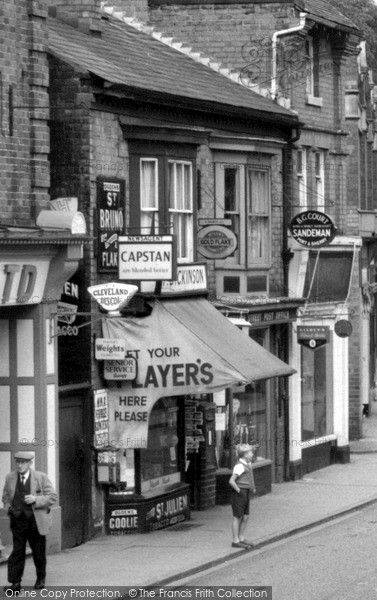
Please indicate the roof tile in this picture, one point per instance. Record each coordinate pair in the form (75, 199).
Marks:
(124, 55)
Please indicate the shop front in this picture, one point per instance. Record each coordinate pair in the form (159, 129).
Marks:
(157, 433)
(258, 413)
(326, 330)
(34, 265)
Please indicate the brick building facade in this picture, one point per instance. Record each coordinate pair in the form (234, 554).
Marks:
(113, 121)
(35, 260)
(304, 56)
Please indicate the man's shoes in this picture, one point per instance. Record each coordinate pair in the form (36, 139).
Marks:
(39, 584)
(13, 587)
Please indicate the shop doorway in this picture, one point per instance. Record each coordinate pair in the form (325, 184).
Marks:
(71, 470)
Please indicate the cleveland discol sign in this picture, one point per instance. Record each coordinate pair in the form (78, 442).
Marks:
(312, 229)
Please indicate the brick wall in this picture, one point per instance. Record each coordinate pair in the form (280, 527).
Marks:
(24, 145)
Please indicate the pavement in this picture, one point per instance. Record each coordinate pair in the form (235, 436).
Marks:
(165, 556)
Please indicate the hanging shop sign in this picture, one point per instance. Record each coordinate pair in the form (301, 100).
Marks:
(147, 258)
(312, 336)
(110, 349)
(312, 229)
(216, 241)
(112, 296)
(101, 419)
(343, 328)
(23, 282)
(190, 278)
(120, 370)
(110, 222)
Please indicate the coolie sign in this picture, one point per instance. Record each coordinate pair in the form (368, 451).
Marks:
(312, 229)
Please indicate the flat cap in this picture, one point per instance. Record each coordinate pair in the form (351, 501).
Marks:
(22, 455)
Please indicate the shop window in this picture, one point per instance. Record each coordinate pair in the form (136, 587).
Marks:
(160, 461)
(328, 276)
(162, 195)
(243, 417)
(316, 392)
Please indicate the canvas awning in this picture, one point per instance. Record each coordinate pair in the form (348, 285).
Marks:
(183, 347)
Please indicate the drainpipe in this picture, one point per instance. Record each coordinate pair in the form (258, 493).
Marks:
(275, 37)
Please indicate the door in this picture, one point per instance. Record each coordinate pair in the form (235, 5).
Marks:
(71, 470)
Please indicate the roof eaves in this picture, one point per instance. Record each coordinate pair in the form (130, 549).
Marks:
(314, 12)
(287, 118)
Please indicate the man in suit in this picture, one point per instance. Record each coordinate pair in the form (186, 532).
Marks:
(27, 498)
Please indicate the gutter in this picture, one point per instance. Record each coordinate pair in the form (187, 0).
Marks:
(275, 38)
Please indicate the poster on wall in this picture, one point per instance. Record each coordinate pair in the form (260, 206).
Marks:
(110, 223)
(101, 418)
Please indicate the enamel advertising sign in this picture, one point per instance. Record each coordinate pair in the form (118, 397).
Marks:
(147, 258)
(216, 241)
(312, 229)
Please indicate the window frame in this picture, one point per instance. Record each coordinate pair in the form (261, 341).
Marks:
(319, 173)
(162, 153)
(183, 211)
(302, 177)
(266, 258)
(156, 208)
(241, 258)
(312, 71)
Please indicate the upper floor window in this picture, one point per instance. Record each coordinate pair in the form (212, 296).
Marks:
(149, 206)
(181, 206)
(258, 215)
(243, 195)
(301, 171)
(319, 158)
(312, 72)
(162, 196)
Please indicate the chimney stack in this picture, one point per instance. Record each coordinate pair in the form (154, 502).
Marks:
(131, 8)
(84, 14)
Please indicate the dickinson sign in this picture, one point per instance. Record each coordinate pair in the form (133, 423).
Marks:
(312, 229)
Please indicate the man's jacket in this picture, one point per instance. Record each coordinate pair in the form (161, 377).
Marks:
(45, 496)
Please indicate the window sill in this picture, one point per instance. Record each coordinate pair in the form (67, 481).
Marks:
(314, 100)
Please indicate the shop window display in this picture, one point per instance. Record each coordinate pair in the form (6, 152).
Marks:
(248, 422)
(159, 462)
